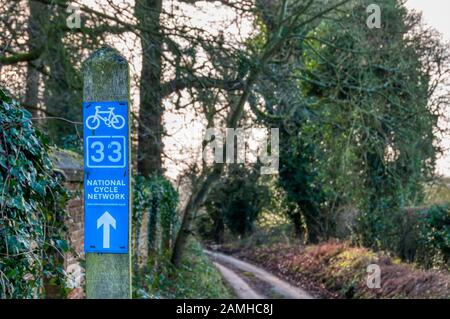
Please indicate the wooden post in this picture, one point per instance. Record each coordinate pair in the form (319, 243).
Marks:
(106, 78)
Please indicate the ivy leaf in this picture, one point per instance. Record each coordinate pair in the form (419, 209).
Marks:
(39, 187)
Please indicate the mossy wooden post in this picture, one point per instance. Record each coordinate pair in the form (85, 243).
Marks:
(106, 78)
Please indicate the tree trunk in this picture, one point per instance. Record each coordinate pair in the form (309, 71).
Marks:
(197, 198)
(298, 226)
(37, 36)
(150, 110)
(219, 230)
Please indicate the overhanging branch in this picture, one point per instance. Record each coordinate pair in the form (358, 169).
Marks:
(17, 57)
(202, 82)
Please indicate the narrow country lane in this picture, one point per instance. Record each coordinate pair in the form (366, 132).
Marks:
(251, 282)
(241, 289)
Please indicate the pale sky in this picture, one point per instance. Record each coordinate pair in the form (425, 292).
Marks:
(436, 13)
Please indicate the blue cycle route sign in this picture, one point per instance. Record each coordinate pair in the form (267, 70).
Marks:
(106, 177)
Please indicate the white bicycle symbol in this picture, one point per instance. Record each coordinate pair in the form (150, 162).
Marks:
(110, 119)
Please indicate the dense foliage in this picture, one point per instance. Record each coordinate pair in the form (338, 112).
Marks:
(235, 203)
(31, 206)
(435, 235)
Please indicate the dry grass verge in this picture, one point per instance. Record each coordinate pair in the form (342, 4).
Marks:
(339, 270)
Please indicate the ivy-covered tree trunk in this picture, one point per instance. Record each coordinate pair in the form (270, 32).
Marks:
(298, 177)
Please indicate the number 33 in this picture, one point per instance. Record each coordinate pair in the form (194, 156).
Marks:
(100, 155)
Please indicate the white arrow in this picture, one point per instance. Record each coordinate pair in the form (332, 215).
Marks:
(106, 220)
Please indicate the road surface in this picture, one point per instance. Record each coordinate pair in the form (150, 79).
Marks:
(251, 282)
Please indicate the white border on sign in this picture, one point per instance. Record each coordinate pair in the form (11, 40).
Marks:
(108, 166)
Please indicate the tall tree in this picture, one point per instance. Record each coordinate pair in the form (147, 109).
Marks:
(358, 127)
